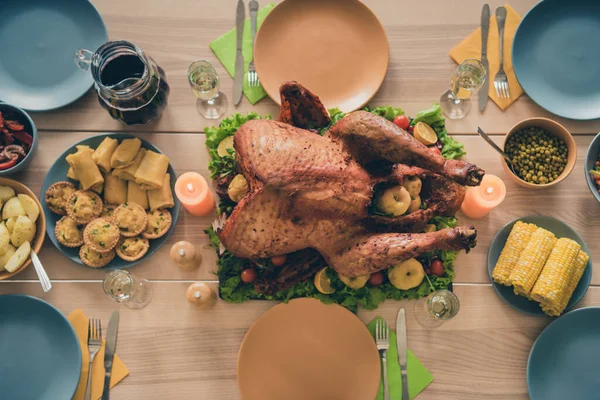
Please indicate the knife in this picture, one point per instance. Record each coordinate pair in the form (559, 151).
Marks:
(485, 27)
(238, 78)
(402, 349)
(109, 352)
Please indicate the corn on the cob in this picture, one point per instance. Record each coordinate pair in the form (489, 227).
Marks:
(531, 261)
(554, 278)
(579, 266)
(516, 242)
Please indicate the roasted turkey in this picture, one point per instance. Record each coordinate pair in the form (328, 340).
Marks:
(308, 191)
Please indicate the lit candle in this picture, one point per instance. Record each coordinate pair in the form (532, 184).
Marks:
(193, 192)
(480, 200)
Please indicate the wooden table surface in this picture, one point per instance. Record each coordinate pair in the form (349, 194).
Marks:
(177, 352)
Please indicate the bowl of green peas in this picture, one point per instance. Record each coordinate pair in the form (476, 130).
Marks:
(543, 152)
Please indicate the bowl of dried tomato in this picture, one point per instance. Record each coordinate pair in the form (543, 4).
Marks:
(18, 139)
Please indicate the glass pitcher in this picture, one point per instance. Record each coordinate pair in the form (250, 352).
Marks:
(129, 84)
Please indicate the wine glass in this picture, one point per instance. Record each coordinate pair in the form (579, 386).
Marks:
(126, 288)
(211, 103)
(467, 79)
(435, 309)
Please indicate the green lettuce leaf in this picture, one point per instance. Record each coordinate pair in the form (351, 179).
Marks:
(430, 116)
(388, 112)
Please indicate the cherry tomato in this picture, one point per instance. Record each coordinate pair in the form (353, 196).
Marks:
(437, 268)
(278, 261)
(402, 121)
(435, 150)
(376, 278)
(248, 275)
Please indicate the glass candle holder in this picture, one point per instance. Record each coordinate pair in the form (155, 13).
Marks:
(435, 309)
(466, 81)
(211, 103)
(128, 289)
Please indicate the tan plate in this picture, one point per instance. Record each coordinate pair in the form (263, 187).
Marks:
(338, 49)
(308, 350)
(40, 232)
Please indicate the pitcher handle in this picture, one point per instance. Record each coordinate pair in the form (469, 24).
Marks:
(83, 58)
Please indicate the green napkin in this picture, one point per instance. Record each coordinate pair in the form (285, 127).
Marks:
(418, 376)
(224, 49)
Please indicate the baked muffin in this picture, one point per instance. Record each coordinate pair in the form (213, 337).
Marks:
(68, 232)
(159, 222)
(57, 196)
(132, 248)
(84, 206)
(101, 235)
(131, 219)
(108, 212)
(93, 259)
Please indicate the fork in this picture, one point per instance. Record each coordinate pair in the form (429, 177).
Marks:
(500, 81)
(252, 75)
(382, 338)
(94, 344)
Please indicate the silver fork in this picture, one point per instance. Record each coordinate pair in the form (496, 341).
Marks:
(500, 81)
(252, 75)
(94, 344)
(382, 338)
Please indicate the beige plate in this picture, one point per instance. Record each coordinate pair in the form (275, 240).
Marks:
(308, 350)
(336, 48)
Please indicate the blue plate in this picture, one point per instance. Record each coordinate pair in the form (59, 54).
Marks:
(40, 356)
(39, 39)
(565, 359)
(556, 54)
(560, 229)
(58, 172)
(591, 157)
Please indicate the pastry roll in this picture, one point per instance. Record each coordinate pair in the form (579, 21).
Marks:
(115, 190)
(104, 152)
(135, 194)
(163, 197)
(98, 187)
(125, 153)
(127, 172)
(151, 172)
(80, 148)
(85, 169)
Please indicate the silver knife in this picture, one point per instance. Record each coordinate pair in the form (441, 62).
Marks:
(485, 27)
(238, 78)
(109, 352)
(402, 351)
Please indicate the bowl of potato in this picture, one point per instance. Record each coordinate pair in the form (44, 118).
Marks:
(22, 227)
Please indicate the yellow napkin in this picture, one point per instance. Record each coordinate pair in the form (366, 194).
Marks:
(80, 323)
(471, 48)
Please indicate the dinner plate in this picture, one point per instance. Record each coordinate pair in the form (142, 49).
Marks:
(560, 229)
(556, 54)
(40, 356)
(565, 359)
(58, 172)
(39, 39)
(308, 350)
(338, 49)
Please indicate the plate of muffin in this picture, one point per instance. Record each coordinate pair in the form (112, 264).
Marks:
(109, 201)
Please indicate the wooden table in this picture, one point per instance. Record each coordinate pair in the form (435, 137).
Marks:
(177, 352)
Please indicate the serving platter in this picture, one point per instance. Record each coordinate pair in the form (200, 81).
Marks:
(58, 172)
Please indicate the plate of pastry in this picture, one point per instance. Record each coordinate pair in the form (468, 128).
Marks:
(109, 201)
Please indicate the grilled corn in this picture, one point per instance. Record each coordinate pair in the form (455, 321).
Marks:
(531, 261)
(579, 266)
(516, 242)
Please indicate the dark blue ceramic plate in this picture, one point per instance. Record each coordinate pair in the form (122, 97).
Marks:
(58, 172)
(593, 152)
(556, 54)
(560, 229)
(40, 356)
(565, 359)
(39, 39)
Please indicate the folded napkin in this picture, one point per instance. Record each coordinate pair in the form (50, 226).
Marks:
(471, 48)
(224, 48)
(80, 323)
(418, 376)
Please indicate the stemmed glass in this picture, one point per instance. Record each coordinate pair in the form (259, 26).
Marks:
(211, 103)
(467, 79)
(435, 309)
(126, 288)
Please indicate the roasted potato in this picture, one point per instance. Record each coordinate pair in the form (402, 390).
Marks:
(17, 259)
(4, 238)
(12, 208)
(10, 224)
(23, 231)
(9, 250)
(6, 192)
(30, 207)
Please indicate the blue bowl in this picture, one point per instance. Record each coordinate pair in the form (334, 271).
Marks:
(591, 157)
(15, 113)
(560, 229)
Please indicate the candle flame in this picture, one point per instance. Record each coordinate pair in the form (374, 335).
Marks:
(190, 187)
(489, 190)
